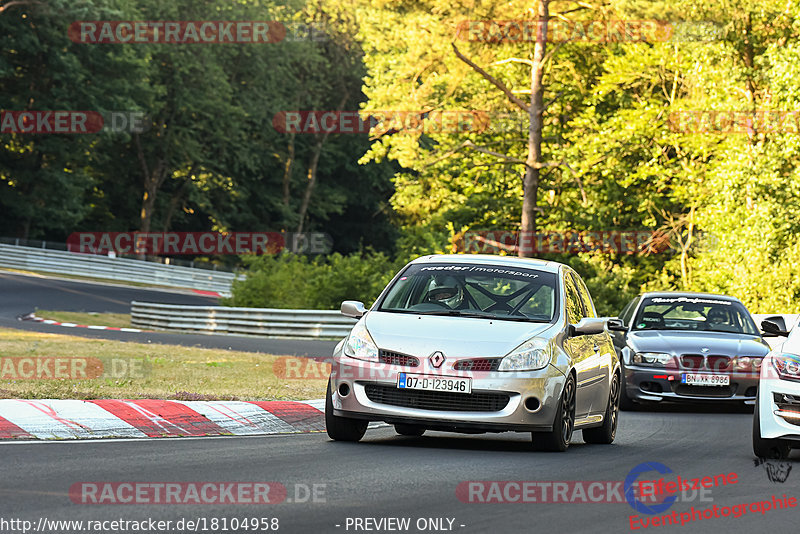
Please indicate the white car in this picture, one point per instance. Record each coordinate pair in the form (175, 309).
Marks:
(776, 420)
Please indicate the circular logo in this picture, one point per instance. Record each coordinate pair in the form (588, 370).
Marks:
(630, 484)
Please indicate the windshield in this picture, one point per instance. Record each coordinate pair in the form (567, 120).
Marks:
(694, 313)
(474, 290)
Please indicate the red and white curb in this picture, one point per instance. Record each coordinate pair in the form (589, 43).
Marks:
(33, 317)
(152, 418)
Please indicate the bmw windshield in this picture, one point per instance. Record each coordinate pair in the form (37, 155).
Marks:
(474, 290)
(694, 313)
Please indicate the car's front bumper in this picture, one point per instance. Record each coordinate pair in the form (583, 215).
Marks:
(373, 395)
(779, 406)
(653, 384)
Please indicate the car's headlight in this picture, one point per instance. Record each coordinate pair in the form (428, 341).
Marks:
(747, 363)
(360, 345)
(531, 355)
(654, 359)
(787, 365)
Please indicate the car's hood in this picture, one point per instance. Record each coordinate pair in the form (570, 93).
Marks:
(456, 337)
(683, 342)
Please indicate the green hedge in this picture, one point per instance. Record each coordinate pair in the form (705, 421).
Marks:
(295, 282)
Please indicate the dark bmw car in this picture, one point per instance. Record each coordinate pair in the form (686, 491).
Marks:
(687, 347)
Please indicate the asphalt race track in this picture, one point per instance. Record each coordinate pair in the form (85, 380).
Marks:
(391, 476)
(360, 486)
(21, 294)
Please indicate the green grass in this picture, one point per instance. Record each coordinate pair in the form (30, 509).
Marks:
(159, 371)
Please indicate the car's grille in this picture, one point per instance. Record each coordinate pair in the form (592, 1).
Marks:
(437, 400)
(395, 358)
(704, 391)
(712, 363)
(478, 364)
(719, 363)
(692, 361)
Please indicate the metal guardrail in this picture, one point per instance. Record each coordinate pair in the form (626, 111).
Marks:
(272, 322)
(122, 269)
(249, 321)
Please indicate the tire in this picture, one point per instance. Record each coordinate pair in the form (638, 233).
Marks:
(626, 404)
(767, 448)
(409, 430)
(605, 434)
(342, 428)
(557, 439)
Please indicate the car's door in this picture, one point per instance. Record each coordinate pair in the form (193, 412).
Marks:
(579, 347)
(602, 351)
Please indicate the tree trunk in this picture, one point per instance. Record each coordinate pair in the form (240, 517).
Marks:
(685, 280)
(152, 182)
(312, 180)
(287, 171)
(530, 184)
(312, 167)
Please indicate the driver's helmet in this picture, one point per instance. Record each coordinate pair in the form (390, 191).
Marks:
(717, 317)
(447, 291)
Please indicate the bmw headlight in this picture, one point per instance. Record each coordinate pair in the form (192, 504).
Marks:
(747, 363)
(360, 345)
(531, 355)
(787, 365)
(653, 359)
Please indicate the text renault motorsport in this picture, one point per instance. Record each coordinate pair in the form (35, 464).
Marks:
(471, 343)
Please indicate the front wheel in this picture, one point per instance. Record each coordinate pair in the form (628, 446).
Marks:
(557, 439)
(605, 434)
(342, 428)
(767, 448)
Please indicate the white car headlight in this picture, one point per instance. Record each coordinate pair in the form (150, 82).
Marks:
(654, 359)
(360, 345)
(531, 355)
(787, 365)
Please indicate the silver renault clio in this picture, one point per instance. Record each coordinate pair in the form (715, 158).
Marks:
(473, 344)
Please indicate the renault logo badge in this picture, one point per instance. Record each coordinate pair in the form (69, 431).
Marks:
(436, 359)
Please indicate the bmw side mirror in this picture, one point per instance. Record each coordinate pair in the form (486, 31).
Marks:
(615, 324)
(588, 326)
(771, 328)
(353, 308)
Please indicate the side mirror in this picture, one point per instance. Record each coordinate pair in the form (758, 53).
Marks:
(772, 328)
(588, 326)
(353, 308)
(615, 324)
